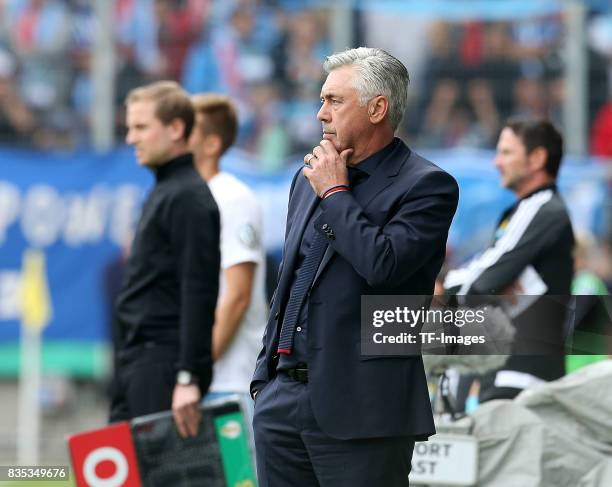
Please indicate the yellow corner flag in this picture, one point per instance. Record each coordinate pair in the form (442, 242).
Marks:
(36, 308)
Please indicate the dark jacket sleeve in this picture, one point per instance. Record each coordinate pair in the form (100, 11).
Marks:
(501, 264)
(388, 255)
(195, 233)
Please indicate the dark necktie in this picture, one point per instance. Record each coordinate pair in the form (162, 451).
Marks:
(299, 290)
(306, 276)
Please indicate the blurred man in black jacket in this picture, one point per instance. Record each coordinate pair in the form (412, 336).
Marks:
(530, 255)
(165, 310)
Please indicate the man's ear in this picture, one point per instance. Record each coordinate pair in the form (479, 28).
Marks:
(177, 129)
(378, 108)
(212, 144)
(538, 158)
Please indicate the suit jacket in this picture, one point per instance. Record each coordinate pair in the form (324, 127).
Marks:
(388, 236)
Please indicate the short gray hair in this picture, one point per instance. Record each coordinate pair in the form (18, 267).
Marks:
(379, 73)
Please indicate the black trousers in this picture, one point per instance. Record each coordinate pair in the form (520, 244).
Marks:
(292, 450)
(145, 376)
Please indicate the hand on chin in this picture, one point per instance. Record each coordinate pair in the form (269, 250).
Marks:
(333, 138)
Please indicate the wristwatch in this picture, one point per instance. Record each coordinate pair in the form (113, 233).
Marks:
(185, 378)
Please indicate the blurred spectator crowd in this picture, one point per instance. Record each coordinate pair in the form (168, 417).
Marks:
(267, 55)
(480, 73)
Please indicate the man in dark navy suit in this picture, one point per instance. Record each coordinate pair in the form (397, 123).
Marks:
(366, 216)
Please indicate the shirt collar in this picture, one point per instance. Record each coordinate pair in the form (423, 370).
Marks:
(369, 164)
(552, 186)
(172, 166)
(515, 205)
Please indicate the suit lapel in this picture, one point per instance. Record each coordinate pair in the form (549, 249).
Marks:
(383, 177)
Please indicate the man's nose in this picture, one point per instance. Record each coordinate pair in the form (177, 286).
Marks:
(323, 114)
(497, 162)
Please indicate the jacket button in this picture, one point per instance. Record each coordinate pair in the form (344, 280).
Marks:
(276, 315)
(325, 226)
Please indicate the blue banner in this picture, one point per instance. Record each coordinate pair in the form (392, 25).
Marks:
(77, 210)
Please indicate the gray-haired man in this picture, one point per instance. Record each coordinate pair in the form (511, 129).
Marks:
(366, 216)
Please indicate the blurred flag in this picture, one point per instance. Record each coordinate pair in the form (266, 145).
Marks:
(36, 311)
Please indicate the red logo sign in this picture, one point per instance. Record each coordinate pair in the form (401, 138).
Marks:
(105, 457)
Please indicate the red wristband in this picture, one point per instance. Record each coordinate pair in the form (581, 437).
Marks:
(334, 189)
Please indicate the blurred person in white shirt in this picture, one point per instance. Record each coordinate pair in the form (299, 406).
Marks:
(241, 312)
